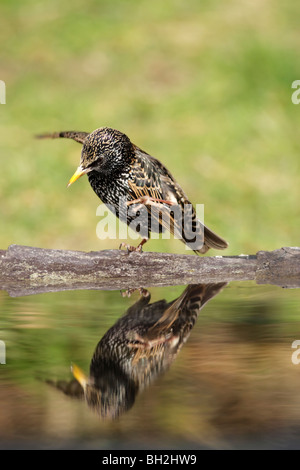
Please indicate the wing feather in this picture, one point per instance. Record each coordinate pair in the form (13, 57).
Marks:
(149, 177)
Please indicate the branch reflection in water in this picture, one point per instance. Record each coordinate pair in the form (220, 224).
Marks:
(140, 346)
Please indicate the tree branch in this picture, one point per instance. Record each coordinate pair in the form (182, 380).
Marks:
(27, 270)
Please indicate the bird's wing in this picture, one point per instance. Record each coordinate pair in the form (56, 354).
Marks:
(149, 177)
(145, 179)
(192, 231)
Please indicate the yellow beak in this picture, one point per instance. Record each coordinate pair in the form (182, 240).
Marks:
(79, 375)
(79, 172)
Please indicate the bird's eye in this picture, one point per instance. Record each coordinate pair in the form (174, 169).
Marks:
(95, 163)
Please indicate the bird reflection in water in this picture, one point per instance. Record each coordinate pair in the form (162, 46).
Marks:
(138, 348)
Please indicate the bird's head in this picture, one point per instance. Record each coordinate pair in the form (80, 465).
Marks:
(110, 393)
(103, 150)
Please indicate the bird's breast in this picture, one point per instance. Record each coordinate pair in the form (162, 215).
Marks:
(109, 188)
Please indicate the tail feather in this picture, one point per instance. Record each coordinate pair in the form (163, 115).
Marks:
(212, 240)
(193, 298)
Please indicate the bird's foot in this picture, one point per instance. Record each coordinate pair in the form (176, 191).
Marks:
(130, 248)
(128, 292)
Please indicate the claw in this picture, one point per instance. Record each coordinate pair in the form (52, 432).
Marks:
(128, 292)
(130, 248)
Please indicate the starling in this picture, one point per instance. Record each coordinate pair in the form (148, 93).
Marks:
(138, 348)
(119, 170)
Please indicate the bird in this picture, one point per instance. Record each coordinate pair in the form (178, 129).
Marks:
(118, 169)
(136, 350)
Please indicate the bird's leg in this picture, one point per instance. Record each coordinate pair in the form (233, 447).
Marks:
(131, 248)
(140, 246)
(128, 292)
(150, 201)
(147, 201)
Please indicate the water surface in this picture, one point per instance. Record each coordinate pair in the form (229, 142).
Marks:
(231, 383)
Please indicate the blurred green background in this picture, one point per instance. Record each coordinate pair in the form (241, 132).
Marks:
(205, 86)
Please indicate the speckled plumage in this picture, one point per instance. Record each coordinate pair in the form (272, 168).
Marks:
(138, 348)
(116, 168)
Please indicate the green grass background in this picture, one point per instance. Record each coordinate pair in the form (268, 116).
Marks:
(205, 86)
